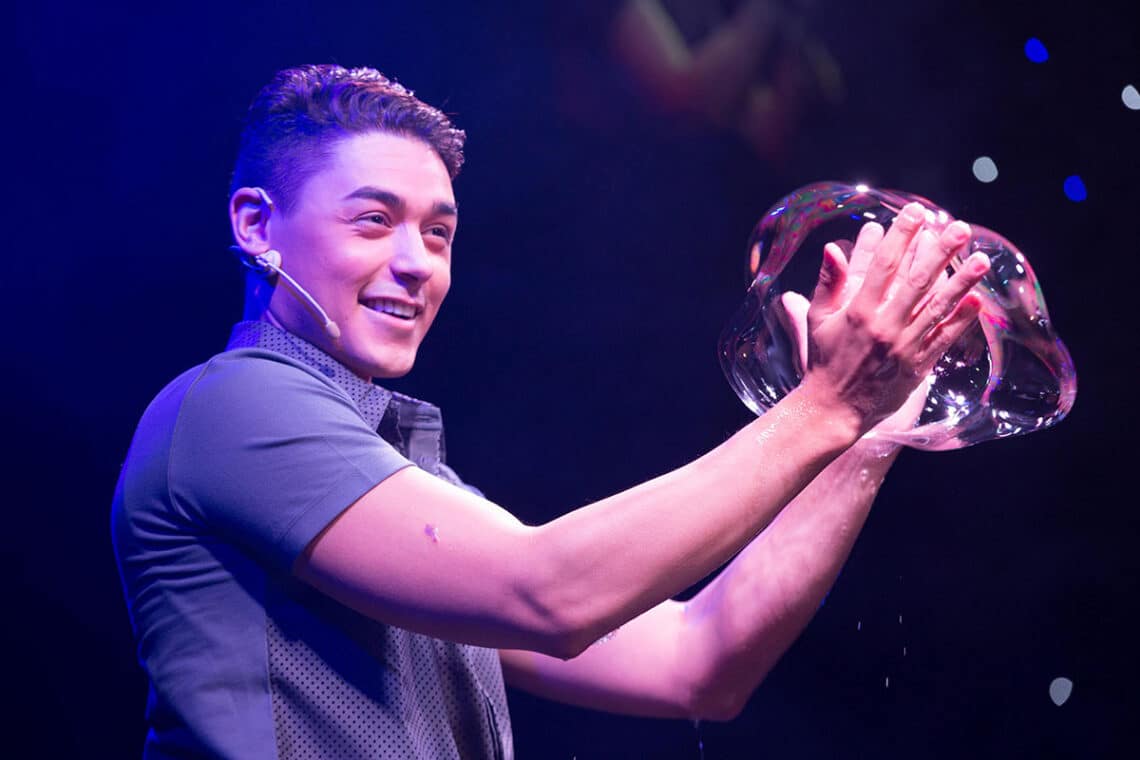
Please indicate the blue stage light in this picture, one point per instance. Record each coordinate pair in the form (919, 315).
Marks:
(1075, 188)
(1035, 50)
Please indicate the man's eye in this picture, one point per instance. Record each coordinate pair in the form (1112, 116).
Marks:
(375, 219)
(440, 231)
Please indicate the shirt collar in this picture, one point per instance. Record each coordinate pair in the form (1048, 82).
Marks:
(372, 400)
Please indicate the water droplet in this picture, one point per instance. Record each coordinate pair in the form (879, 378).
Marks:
(431, 532)
(607, 637)
(1059, 690)
(859, 626)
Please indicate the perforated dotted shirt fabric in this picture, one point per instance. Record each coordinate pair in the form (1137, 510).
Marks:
(234, 469)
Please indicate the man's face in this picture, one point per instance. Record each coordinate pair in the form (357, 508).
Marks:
(370, 238)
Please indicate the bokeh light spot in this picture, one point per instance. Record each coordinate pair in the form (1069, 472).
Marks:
(1059, 690)
(1075, 189)
(1035, 50)
(985, 170)
(1131, 97)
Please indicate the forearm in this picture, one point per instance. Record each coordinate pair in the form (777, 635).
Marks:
(610, 561)
(739, 626)
(457, 567)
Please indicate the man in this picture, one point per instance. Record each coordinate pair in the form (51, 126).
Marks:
(299, 589)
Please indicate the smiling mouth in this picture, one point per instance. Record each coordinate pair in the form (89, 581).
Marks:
(398, 309)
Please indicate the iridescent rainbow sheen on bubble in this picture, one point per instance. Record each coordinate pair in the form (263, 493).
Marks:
(1009, 374)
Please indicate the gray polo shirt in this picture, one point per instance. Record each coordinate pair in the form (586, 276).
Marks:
(234, 469)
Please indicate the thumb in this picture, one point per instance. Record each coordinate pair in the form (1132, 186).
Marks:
(796, 307)
(826, 299)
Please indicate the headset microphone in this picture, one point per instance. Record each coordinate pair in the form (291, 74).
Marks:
(268, 264)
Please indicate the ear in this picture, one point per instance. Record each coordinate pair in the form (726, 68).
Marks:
(250, 211)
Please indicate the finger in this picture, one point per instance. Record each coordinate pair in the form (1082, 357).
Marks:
(870, 235)
(940, 283)
(931, 255)
(907, 260)
(888, 254)
(796, 307)
(944, 300)
(905, 263)
(947, 332)
(826, 298)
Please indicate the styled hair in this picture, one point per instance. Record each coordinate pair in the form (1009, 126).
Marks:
(296, 119)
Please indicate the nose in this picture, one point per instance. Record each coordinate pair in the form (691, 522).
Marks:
(412, 263)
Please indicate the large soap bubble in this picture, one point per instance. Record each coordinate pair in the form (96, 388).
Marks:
(1009, 373)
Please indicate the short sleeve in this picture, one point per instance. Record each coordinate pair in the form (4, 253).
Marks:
(267, 452)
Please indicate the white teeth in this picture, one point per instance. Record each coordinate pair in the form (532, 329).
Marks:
(395, 308)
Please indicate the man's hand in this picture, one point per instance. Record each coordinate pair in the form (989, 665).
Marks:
(794, 319)
(877, 324)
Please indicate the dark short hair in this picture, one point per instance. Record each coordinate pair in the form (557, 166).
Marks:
(296, 119)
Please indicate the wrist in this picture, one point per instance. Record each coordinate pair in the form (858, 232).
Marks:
(831, 413)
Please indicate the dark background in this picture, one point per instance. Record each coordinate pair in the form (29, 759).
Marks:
(599, 254)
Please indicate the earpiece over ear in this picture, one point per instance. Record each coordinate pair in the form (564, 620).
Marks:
(265, 197)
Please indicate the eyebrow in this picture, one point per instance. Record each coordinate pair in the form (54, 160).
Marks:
(387, 197)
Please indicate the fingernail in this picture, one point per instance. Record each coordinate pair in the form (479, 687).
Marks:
(959, 232)
(980, 264)
(913, 213)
